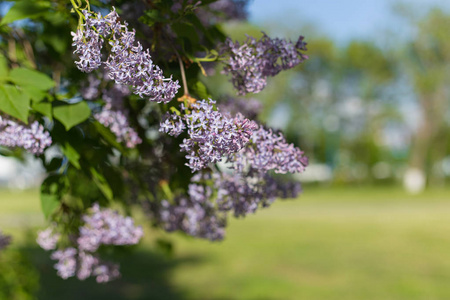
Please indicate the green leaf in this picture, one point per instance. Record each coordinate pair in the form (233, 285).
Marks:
(186, 30)
(14, 102)
(54, 164)
(72, 114)
(43, 108)
(31, 78)
(49, 203)
(56, 41)
(35, 94)
(25, 9)
(200, 90)
(51, 190)
(102, 184)
(109, 136)
(72, 155)
(150, 17)
(3, 68)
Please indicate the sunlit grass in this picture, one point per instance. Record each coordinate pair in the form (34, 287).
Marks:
(362, 243)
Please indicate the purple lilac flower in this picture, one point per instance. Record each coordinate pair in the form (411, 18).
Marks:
(91, 265)
(212, 135)
(252, 62)
(102, 227)
(32, 138)
(127, 63)
(72, 261)
(5, 240)
(91, 90)
(106, 272)
(172, 125)
(269, 151)
(107, 227)
(244, 194)
(67, 262)
(88, 40)
(117, 122)
(113, 114)
(202, 213)
(193, 214)
(87, 262)
(89, 45)
(47, 238)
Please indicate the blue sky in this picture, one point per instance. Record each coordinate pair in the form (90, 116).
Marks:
(342, 20)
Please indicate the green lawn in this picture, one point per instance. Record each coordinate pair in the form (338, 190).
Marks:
(361, 243)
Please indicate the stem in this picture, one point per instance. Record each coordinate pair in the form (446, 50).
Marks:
(28, 49)
(76, 8)
(183, 74)
(166, 189)
(12, 52)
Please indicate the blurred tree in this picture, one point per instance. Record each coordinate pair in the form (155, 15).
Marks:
(427, 63)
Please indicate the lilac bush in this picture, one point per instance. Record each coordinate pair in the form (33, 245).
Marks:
(127, 134)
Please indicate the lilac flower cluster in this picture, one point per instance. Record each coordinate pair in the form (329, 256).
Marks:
(212, 135)
(48, 238)
(202, 213)
(128, 63)
(114, 116)
(107, 227)
(241, 191)
(5, 240)
(32, 138)
(102, 227)
(117, 122)
(269, 151)
(193, 214)
(91, 90)
(244, 194)
(252, 62)
(71, 261)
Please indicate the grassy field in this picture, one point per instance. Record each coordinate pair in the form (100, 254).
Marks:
(360, 243)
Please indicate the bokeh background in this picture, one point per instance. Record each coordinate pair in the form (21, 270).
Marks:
(371, 110)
